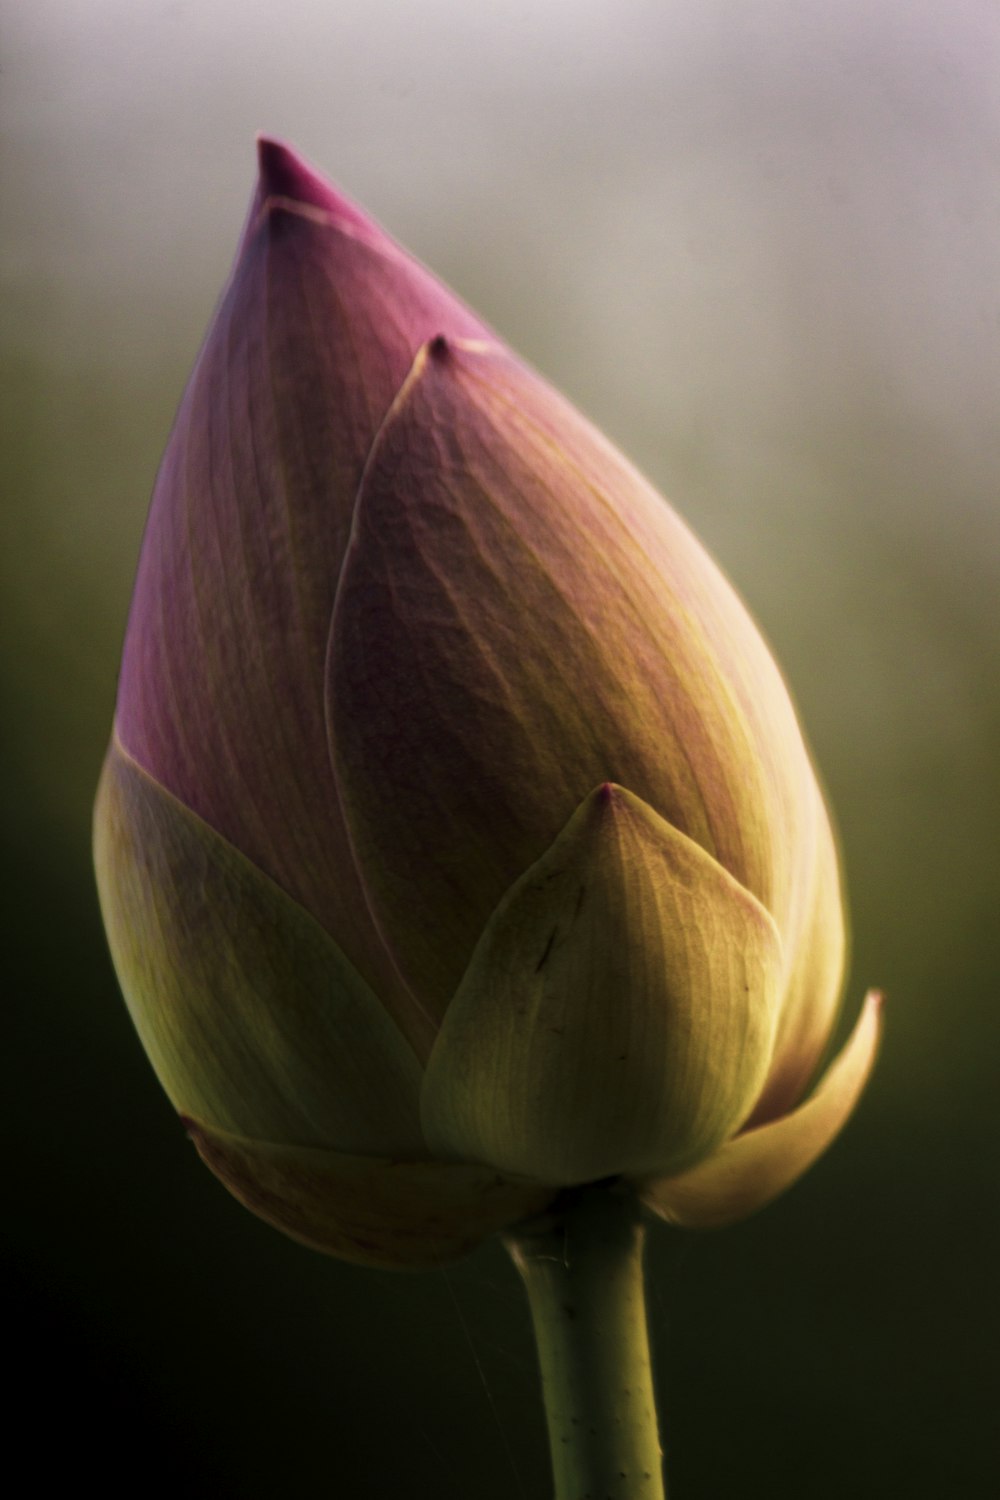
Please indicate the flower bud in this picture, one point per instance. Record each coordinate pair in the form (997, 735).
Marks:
(457, 842)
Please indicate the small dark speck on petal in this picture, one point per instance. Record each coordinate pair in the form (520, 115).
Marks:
(548, 949)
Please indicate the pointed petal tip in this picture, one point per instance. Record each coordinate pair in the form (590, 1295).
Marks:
(284, 174)
(609, 796)
(611, 800)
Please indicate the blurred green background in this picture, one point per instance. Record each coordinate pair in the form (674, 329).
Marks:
(759, 246)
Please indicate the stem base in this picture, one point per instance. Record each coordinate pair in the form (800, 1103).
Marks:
(581, 1263)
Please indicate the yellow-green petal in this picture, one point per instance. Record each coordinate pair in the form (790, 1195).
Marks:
(405, 1215)
(252, 1017)
(618, 1012)
(815, 979)
(748, 1172)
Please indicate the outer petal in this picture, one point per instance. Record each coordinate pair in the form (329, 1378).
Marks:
(618, 1013)
(519, 618)
(761, 1163)
(403, 1215)
(221, 695)
(250, 1014)
(814, 983)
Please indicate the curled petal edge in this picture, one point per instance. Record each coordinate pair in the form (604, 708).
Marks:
(753, 1168)
(374, 1211)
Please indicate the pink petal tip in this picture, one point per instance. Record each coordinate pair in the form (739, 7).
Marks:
(285, 174)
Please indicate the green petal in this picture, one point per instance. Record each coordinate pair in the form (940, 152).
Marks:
(252, 1017)
(758, 1165)
(618, 1012)
(397, 1214)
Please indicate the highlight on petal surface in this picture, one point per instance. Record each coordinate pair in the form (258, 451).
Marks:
(814, 983)
(755, 1167)
(250, 1014)
(618, 1013)
(397, 1214)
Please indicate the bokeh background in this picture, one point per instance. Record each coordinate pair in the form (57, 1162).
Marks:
(760, 245)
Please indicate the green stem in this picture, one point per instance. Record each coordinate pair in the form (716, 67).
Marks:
(582, 1267)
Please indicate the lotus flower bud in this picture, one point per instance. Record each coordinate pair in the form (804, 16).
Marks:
(457, 841)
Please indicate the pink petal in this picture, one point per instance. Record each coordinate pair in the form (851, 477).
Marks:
(221, 694)
(520, 617)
